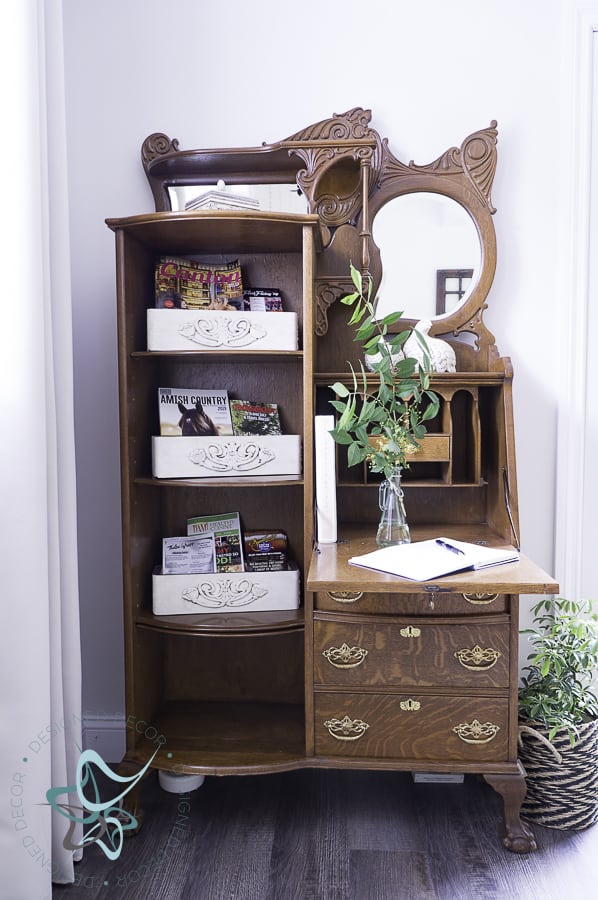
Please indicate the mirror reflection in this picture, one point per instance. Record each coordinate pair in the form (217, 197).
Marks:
(430, 252)
(270, 197)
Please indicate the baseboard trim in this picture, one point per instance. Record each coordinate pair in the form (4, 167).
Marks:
(105, 735)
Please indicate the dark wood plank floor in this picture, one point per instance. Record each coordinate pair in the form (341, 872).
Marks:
(333, 835)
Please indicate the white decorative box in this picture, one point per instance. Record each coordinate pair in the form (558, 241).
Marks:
(186, 329)
(175, 595)
(226, 456)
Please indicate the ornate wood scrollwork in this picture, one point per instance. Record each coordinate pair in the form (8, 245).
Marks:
(327, 292)
(347, 173)
(330, 144)
(157, 145)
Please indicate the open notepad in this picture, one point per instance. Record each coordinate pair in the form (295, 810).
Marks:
(423, 560)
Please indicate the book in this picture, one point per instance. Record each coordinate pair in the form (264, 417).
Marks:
(182, 283)
(253, 417)
(424, 560)
(192, 555)
(262, 300)
(226, 528)
(194, 412)
(325, 465)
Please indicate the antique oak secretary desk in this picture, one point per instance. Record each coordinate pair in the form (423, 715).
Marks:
(370, 671)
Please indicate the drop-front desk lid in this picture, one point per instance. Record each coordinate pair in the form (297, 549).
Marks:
(330, 569)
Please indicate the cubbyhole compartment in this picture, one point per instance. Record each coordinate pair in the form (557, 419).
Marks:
(161, 510)
(226, 703)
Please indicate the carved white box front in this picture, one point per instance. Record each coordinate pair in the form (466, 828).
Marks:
(176, 595)
(226, 457)
(185, 329)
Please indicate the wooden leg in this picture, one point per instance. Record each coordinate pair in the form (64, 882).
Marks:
(516, 837)
(131, 802)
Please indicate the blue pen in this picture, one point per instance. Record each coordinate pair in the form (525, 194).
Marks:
(450, 547)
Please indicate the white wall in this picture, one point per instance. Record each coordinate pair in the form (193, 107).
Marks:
(239, 73)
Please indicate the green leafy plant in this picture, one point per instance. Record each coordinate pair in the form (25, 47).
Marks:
(381, 416)
(556, 688)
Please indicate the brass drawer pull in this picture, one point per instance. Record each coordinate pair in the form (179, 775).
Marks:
(345, 657)
(410, 632)
(410, 705)
(476, 659)
(480, 599)
(346, 729)
(476, 733)
(345, 596)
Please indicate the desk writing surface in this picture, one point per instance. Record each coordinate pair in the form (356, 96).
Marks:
(330, 569)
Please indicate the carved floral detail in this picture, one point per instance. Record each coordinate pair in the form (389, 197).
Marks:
(232, 456)
(221, 594)
(219, 332)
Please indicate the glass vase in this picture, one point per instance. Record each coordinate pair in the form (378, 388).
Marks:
(393, 527)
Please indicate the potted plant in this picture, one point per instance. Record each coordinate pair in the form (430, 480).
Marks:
(382, 415)
(558, 715)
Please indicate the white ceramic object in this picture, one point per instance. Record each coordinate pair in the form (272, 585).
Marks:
(442, 355)
(179, 784)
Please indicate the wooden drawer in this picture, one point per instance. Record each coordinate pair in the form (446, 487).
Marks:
(411, 652)
(410, 604)
(411, 726)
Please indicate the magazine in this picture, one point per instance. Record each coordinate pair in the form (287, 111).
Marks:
(182, 283)
(192, 555)
(266, 551)
(253, 417)
(262, 300)
(194, 412)
(226, 529)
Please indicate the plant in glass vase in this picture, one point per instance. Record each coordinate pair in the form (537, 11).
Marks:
(382, 415)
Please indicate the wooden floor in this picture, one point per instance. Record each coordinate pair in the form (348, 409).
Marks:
(334, 835)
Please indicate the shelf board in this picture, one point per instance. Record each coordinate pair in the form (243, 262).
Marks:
(330, 569)
(230, 738)
(416, 483)
(245, 481)
(225, 624)
(438, 378)
(217, 356)
(220, 231)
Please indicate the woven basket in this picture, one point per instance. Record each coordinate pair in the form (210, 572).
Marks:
(562, 781)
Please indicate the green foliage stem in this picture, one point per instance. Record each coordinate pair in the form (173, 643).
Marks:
(394, 404)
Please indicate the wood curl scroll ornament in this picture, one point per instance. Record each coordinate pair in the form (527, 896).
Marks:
(327, 292)
(156, 145)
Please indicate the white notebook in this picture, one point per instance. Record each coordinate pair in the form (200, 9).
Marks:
(424, 560)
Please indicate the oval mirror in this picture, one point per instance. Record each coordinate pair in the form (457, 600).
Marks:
(431, 255)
